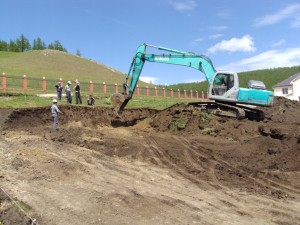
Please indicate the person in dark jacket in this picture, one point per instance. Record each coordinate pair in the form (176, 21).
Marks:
(77, 93)
(91, 100)
(58, 90)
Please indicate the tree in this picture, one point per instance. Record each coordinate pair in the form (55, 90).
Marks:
(3, 46)
(78, 53)
(13, 47)
(50, 46)
(38, 44)
(23, 43)
(57, 46)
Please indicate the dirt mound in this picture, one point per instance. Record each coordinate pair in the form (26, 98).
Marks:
(171, 160)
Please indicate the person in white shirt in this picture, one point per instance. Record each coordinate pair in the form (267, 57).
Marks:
(54, 112)
(68, 92)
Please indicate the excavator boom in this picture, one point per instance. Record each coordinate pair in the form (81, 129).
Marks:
(199, 62)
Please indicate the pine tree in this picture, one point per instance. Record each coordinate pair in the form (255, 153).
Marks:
(13, 47)
(38, 44)
(3, 46)
(57, 46)
(50, 46)
(23, 43)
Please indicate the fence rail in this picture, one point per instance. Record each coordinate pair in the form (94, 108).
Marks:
(24, 83)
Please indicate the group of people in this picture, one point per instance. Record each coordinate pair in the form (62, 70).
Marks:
(68, 91)
(59, 89)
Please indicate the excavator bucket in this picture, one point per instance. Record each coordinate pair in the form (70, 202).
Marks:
(117, 100)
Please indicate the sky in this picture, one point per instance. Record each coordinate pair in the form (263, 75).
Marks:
(237, 35)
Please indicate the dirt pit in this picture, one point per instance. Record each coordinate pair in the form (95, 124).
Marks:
(175, 166)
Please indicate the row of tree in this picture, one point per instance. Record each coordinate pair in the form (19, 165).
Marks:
(22, 44)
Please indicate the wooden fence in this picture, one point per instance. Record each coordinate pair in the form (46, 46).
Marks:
(25, 83)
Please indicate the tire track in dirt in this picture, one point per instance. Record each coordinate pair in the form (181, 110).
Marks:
(186, 167)
(263, 182)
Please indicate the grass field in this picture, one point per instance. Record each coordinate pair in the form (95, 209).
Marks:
(24, 100)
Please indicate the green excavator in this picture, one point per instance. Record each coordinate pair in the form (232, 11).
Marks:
(226, 97)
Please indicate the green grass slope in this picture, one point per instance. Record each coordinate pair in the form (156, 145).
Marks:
(269, 76)
(54, 64)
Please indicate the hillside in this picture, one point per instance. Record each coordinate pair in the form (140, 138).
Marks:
(269, 76)
(54, 64)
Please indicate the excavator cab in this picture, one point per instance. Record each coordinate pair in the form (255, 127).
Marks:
(224, 86)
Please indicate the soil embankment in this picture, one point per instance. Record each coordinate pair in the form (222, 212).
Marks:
(175, 166)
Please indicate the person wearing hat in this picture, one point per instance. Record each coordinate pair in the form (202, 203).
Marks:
(54, 112)
(68, 92)
(58, 90)
(77, 93)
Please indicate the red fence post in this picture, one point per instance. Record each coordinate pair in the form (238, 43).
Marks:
(206, 95)
(156, 91)
(104, 87)
(24, 83)
(184, 93)
(137, 90)
(178, 93)
(191, 94)
(3, 81)
(147, 91)
(164, 92)
(171, 92)
(116, 88)
(91, 87)
(44, 84)
(197, 95)
(202, 95)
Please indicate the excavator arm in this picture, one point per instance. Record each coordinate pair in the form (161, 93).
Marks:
(175, 57)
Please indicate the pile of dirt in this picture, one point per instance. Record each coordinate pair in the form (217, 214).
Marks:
(215, 154)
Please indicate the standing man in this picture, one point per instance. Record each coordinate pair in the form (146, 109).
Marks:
(54, 112)
(58, 90)
(68, 92)
(77, 93)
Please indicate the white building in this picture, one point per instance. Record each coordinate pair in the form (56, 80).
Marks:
(289, 88)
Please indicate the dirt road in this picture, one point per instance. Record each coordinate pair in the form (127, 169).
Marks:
(176, 166)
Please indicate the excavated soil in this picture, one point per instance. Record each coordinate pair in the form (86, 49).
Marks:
(175, 166)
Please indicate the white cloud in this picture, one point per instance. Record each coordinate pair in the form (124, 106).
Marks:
(291, 11)
(218, 28)
(244, 44)
(149, 79)
(183, 5)
(215, 36)
(195, 42)
(278, 43)
(266, 60)
(296, 23)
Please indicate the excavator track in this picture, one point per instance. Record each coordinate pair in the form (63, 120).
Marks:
(220, 109)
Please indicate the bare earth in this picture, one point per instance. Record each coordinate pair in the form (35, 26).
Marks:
(176, 166)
